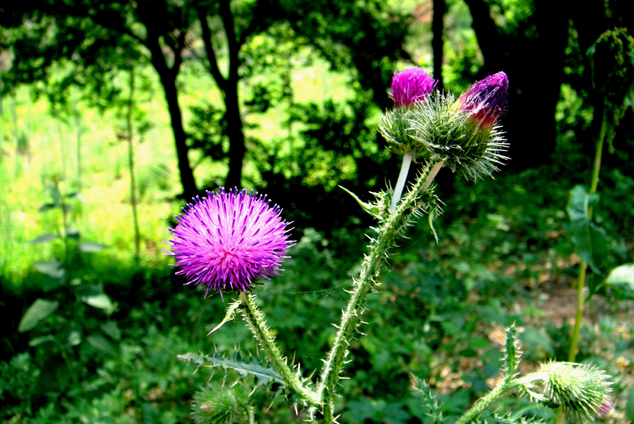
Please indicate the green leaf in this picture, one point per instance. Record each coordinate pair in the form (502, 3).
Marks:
(629, 408)
(92, 247)
(37, 312)
(73, 233)
(231, 313)
(590, 239)
(52, 269)
(111, 329)
(102, 344)
(41, 340)
(101, 301)
(369, 208)
(243, 368)
(44, 238)
(621, 279)
(47, 207)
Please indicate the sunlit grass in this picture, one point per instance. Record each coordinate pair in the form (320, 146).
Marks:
(104, 214)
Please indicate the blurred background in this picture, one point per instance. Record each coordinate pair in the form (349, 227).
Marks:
(115, 113)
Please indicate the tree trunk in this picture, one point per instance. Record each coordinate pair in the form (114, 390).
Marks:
(237, 148)
(168, 81)
(530, 121)
(437, 27)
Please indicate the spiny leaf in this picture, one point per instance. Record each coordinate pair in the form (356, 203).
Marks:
(263, 375)
(430, 399)
(512, 351)
(368, 207)
(231, 313)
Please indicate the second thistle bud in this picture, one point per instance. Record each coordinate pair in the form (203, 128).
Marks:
(465, 134)
(485, 101)
(409, 87)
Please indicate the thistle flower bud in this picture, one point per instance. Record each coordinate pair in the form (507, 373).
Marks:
(454, 137)
(485, 101)
(582, 391)
(411, 85)
(216, 404)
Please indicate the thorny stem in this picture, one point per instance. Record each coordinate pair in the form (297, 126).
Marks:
(402, 177)
(363, 286)
(255, 321)
(482, 404)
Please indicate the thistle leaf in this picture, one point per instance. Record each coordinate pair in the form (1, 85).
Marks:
(230, 315)
(429, 397)
(368, 207)
(263, 376)
(512, 351)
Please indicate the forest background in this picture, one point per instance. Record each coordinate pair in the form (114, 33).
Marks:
(115, 113)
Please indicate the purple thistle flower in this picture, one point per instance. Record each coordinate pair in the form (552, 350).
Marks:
(485, 101)
(410, 85)
(225, 241)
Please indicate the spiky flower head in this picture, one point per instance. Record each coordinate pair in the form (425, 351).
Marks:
(485, 101)
(216, 404)
(452, 136)
(582, 391)
(410, 85)
(228, 240)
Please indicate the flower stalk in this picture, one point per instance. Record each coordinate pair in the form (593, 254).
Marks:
(402, 177)
(257, 325)
(364, 285)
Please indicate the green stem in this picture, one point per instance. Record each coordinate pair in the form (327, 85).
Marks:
(572, 354)
(485, 402)
(255, 321)
(402, 177)
(364, 285)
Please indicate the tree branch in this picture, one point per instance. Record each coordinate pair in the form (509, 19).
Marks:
(209, 48)
(234, 48)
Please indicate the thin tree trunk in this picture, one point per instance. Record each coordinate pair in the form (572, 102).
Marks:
(133, 201)
(168, 81)
(437, 26)
(237, 148)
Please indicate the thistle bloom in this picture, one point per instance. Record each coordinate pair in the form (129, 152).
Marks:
(410, 85)
(226, 241)
(485, 101)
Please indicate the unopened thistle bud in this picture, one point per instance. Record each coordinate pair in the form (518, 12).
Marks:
(465, 134)
(581, 391)
(485, 101)
(409, 87)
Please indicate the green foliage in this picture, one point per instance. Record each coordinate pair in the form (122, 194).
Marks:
(590, 239)
(621, 280)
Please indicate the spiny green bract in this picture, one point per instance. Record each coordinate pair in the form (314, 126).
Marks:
(217, 404)
(450, 136)
(395, 128)
(579, 389)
